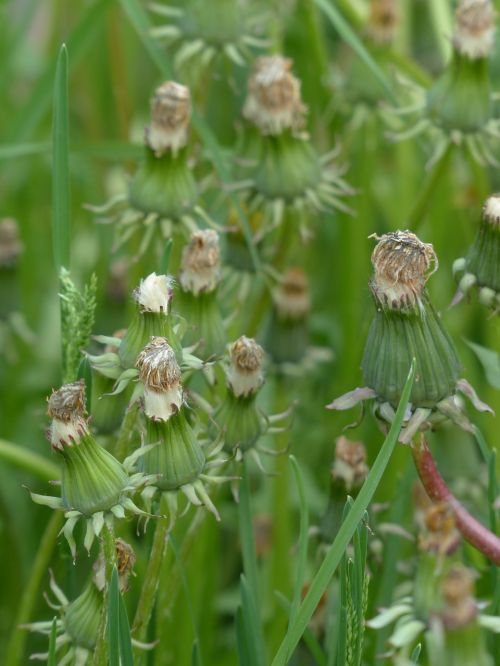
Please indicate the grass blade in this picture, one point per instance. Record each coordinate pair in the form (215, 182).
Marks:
(251, 625)
(350, 37)
(51, 661)
(309, 638)
(303, 541)
(85, 373)
(114, 620)
(61, 216)
(195, 657)
(126, 655)
(165, 257)
(334, 554)
(250, 582)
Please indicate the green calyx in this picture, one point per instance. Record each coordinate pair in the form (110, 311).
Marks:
(143, 326)
(164, 185)
(217, 23)
(462, 646)
(178, 458)
(203, 314)
(92, 479)
(289, 167)
(461, 98)
(240, 421)
(483, 258)
(83, 616)
(397, 336)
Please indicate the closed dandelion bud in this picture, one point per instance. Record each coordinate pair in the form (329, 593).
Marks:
(481, 267)
(456, 636)
(92, 479)
(383, 21)
(406, 326)
(287, 335)
(177, 459)
(170, 117)
(347, 474)
(197, 300)
(273, 100)
(461, 98)
(10, 251)
(164, 184)
(238, 417)
(152, 318)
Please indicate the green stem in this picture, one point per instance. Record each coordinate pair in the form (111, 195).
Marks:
(433, 179)
(15, 648)
(27, 460)
(151, 579)
(109, 552)
(127, 429)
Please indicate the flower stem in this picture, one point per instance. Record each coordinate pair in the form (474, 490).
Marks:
(151, 579)
(109, 552)
(472, 530)
(15, 648)
(126, 431)
(424, 200)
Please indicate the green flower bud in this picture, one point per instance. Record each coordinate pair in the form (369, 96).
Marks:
(238, 418)
(197, 299)
(152, 318)
(164, 184)
(406, 326)
(482, 263)
(461, 98)
(287, 335)
(177, 459)
(92, 479)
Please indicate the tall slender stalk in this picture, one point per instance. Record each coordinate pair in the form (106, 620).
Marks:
(109, 552)
(471, 529)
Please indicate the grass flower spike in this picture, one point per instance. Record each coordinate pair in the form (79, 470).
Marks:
(480, 268)
(406, 326)
(94, 486)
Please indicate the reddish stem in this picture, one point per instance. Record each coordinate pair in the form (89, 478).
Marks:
(472, 530)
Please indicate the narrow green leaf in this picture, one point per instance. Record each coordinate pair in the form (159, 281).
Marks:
(309, 638)
(85, 373)
(334, 554)
(350, 37)
(165, 257)
(140, 21)
(241, 639)
(416, 653)
(29, 461)
(251, 624)
(12, 151)
(51, 661)
(114, 620)
(250, 581)
(61, 220)
(126, 654)
(303, 538)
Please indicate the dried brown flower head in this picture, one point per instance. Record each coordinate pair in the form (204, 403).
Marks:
(474, 28)
(383, 20)
(158, 367)
(68, 402)
(292, 297)
(170, 116)
(200, 263)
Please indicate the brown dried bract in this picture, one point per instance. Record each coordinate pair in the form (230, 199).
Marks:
(171, 106)
(68, 402)
(246, 354)
(157, 365)
(400, 257)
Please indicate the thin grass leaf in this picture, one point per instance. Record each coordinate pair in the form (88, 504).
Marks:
(13, 151)
(334, 554)
(165, 257)
(241, 639)
(51, 661)
(350, 37)
(126, 654)
(85, 373)
(142, 25)
(251, 624)
(195, 656)
(114, 620)
(303, 540)
(416, 653)
(61, 209)
(250, 582)
(309, 638)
